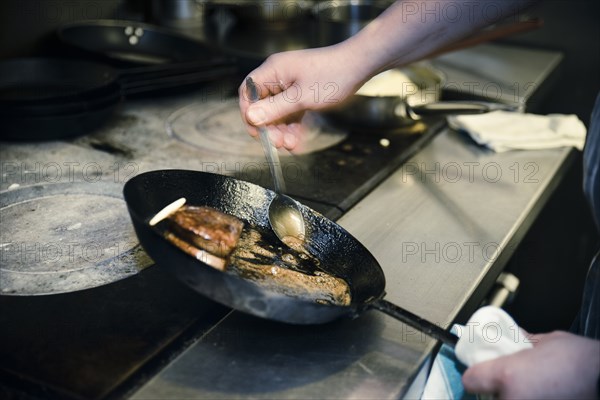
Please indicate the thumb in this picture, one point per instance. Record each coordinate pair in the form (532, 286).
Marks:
(274, 108)
(483, 378)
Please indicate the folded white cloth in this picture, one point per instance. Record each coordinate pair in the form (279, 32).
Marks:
(490, 333)
(503, 130)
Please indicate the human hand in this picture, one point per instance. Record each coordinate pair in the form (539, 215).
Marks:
(559, 366)
(293, 82)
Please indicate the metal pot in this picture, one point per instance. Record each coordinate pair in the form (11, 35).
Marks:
(264, 14)
(339, 20)
(178, 14)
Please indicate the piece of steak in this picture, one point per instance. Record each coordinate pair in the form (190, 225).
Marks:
(223, 242)
(207, 229)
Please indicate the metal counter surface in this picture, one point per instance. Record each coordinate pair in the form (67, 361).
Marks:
(442, 228)
(508, 74)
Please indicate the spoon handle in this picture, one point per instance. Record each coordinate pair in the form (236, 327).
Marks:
(270, 152)
(272, 160)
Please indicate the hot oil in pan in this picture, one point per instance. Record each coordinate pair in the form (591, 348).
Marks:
(261, 258)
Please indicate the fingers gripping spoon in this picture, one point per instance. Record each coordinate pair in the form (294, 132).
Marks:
(285, 216)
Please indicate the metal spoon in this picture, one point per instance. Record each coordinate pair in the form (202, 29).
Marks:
(285, 216)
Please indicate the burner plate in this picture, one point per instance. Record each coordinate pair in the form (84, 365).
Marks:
(218, 128)
(66, 237)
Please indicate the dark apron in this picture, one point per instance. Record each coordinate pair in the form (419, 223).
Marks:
(588, 323)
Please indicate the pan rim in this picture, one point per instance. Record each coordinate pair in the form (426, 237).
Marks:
(182, 39)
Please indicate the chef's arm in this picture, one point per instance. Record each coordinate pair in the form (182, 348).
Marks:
(409, 30)
(314, 79)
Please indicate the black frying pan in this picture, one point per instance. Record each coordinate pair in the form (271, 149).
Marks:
(131, 43)
(340, 254)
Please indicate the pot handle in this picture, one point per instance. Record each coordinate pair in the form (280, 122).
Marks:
(457, 107)
(415, 321)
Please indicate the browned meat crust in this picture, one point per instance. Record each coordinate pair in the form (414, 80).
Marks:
(286, 271)
(199, 254)
(206, 228)
(220, 241)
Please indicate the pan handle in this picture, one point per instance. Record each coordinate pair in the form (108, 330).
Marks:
(415, 321)
(456, 107)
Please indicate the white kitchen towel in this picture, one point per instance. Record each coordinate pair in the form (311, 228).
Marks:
(504, 130)
(489, 333)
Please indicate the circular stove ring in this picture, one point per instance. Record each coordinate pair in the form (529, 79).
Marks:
(218, 129)
(65, 237)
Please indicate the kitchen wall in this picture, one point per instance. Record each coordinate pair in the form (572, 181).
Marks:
(561, 244)
(27, 26)
(553, 259)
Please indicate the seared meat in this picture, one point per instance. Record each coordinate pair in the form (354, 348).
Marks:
(199, 254)
(222, 241)
(285, 270)
(207, 229)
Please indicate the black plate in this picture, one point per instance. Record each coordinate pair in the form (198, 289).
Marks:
(42, 81)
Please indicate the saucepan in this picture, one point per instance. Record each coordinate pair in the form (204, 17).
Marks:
(264, 14)
(338, 20)
(339, 253)
(398, 98)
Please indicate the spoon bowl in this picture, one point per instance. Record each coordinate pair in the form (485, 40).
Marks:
(287, 221)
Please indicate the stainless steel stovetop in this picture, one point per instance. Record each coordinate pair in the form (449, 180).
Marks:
(70, 263)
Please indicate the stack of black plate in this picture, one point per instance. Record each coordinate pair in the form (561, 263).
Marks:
(43, 98)
(53, 98)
